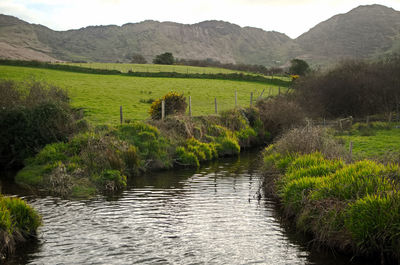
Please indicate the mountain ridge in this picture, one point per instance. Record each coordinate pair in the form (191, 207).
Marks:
(363, 32)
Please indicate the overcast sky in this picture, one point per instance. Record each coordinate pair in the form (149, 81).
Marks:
(292, 17)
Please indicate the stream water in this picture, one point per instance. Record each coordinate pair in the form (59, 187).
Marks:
(213, 215)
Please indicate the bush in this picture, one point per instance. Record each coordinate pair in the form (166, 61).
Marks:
(175, 103)
(309, 140)
(227, 146)
(353, 88)
(110, 180)
(186, 158)
(164, 58)
(39, 115)
(279, 114)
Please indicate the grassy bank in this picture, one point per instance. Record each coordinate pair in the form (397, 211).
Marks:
(18, 223)
(101, 95)
(353, 207)
(103, 158)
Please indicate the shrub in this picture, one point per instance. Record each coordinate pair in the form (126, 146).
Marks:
(347, 90)
(40, 115)
(186, 158)
(110, 180)
(175, 103)
(227, 146)
(24, 218)
(308, 140)
(279, 114)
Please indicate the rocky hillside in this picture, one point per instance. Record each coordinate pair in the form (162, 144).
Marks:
(364, 32)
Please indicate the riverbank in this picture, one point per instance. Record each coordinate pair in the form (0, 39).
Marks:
(103, 158)
(350, 206)
(18, 223)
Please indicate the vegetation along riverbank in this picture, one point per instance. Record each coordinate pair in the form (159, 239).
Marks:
(340, 183)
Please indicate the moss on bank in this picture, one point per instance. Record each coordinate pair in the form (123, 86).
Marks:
(18, 223)
(104, 158)
(350, 206)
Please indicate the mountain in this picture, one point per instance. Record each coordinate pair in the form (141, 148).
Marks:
(364, 32)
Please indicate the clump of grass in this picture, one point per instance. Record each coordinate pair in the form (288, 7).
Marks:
(374, 223)
(355, 181)
(18, 222)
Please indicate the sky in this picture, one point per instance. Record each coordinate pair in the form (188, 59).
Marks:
(292, 17)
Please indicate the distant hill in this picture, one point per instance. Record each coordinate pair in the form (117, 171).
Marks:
(364, 32)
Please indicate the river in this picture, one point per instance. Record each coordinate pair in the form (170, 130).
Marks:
(213, 215)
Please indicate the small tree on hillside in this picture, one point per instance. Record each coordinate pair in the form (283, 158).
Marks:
(299, 67)
(138, 58)
(164, 58)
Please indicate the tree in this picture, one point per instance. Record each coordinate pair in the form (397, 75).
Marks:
(299, 67)
(138, 58)
(164, 58)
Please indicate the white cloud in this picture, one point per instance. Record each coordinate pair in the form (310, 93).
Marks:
(292, 17)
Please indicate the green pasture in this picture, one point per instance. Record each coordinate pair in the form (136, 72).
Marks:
(155, 68)
(101, 95)
(380, 144)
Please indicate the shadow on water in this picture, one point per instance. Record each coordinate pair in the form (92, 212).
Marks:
(206, 215)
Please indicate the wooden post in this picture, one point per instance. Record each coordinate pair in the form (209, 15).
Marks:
(190, 106)
(235, 98)
(216, 105)
(390, 118)
(260, 97)
(351, 148)
(162, 110)
(251, 99)
(324, 122)
(270, 90)
(279, 91)
(120, 114)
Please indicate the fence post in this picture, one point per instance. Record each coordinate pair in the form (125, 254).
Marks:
(351, 148)
(190, 106)
(235, 98)
(162, 110)
(279, 91)
(251, 99)
(216, 105)
(120, 114)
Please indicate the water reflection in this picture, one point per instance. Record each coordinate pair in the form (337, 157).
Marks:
(207, 216)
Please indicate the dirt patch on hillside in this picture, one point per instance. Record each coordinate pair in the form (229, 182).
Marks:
(8, 51)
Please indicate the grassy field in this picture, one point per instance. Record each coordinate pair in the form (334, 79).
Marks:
(155, 68)
(101, 95)
(377, 144)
